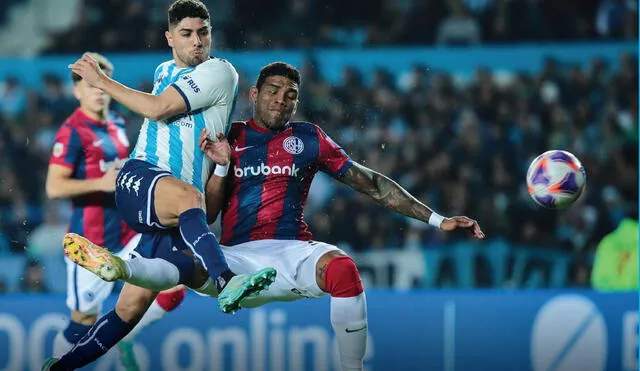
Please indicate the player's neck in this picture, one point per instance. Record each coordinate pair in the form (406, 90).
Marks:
(181, 64)
(96, 116)
(263, 127)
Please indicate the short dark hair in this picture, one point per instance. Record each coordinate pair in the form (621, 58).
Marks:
(103, 62)
(181, 9)
(278, 69)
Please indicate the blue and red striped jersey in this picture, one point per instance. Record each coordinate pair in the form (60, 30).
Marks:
(89, 148)
(271, 173)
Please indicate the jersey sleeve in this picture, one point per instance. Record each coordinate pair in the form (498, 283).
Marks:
(331, 157)
(67, 148)
(214, 82)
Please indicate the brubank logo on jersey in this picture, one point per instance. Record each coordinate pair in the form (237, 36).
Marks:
(192, 84)
(246, 171)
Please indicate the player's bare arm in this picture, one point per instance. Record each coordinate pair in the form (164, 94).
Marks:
(155, 107)
(392, 196)
(60, 184)
(220, 152)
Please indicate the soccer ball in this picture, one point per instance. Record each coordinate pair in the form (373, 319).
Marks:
(556, 179)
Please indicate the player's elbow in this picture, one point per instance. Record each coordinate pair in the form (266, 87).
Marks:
(52, 191)
(157, 110)
(165, 106)
(155, 115)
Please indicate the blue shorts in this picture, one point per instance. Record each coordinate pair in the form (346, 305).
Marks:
(168, 245)
(135, 187)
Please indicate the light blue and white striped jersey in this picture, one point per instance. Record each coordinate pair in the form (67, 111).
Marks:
(209, 90)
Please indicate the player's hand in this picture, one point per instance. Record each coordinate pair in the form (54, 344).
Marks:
(108, 180)
(462, 222)
(89, 69)
(219, 151)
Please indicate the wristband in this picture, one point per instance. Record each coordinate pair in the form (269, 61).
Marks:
(436, 219)
(221, 170)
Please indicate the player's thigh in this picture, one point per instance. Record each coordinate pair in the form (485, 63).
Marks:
(294, 262)
(85, 291)
(135, 193)
(308, 272)
(172, 197)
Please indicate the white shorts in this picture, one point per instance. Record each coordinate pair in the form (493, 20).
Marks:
(85, 290)
(294, 260)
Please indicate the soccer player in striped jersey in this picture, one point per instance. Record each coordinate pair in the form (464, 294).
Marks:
(273, 163)
(88, 149)
(161, 187)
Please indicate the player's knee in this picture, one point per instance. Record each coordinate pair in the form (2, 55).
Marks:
(342, 278)
(170, 300)
(189, 198)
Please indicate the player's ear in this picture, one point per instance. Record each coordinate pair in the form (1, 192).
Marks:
(77, 92)
(167, 34)
(253, 94)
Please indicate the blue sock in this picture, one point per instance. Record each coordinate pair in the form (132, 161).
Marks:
(204, 245)
(75, 331)
(103, 335)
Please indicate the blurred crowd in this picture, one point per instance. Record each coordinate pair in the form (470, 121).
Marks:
(462, 147)
(108, 25)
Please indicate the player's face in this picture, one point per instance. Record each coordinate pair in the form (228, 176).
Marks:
(191, 41)
(275, 102)
(91, 99)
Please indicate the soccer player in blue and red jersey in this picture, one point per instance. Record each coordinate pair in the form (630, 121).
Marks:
(83, 167)
(272, 163)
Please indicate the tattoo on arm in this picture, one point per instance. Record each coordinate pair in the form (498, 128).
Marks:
(385, 191)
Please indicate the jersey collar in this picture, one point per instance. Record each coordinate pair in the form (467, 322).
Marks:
(260, 129)
(89, 119)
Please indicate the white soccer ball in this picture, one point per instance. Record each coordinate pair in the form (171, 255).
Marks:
(556, 179)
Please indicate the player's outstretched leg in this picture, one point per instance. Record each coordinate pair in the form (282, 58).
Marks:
(94, 258)
(110, 267)
(243, 286)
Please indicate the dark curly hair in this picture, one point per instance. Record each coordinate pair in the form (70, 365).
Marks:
(278, 69)
(181, 9)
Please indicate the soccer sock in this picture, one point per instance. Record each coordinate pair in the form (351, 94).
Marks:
(209, 288)
(103, 335)
(65, 339)
(165, 302)
(154, 274)
(204, 245)
(349, 322)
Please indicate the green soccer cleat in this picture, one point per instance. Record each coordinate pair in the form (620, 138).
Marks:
(93, 258)
(46, 366)
(243, 286)
(128, 356)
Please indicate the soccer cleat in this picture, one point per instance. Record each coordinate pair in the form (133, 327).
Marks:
(94, 258)
(127, 356)
(243, 286)
(46, 366)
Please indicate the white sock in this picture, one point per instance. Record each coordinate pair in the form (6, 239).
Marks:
(154, 313)
(61, 345)
(349, 322)
(154, 274)
(209, 288)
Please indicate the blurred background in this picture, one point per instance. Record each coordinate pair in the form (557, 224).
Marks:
(451, 98)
